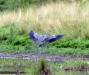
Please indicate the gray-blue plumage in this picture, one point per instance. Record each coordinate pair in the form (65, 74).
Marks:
(41, 39)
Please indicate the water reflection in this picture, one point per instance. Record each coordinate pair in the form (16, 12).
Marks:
(71, 73)
(61, 73)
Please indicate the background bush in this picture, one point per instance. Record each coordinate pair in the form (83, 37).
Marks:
(15, 4)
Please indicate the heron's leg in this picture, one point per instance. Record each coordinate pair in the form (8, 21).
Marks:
(43, 50)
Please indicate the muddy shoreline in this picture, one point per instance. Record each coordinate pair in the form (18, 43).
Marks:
(37, 57)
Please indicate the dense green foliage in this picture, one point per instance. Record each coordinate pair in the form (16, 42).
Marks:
(15, 4)
(68, 43)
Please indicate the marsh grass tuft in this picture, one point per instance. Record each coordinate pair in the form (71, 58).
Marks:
(43, 68)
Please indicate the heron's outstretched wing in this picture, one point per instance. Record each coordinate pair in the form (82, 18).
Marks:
(54, 38)
(41, 39)
(33, 36)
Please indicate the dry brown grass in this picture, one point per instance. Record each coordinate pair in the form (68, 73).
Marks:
(68, 18)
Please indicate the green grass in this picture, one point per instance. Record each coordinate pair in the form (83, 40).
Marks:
(76, 65)
(69, 51)
(14, 64)
(13, 40)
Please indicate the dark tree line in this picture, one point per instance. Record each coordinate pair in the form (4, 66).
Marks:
(15, 4)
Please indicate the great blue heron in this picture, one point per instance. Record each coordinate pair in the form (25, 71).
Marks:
(42, 39)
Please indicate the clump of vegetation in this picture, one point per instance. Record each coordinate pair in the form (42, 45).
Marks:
(42, 68)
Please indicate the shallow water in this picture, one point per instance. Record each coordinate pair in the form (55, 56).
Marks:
(61, 73)
(71, 73)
